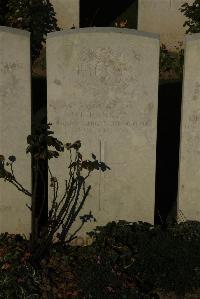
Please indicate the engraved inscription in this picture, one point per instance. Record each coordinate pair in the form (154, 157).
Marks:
(193, 121)
(9, 71)
(193, 144)
(196, 95)
(102, 123)
(106, 65)
(116, 115)
(7, 67)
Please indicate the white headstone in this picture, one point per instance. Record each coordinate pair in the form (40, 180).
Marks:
(102, 89)
(154, 16)
(67, 13)
(15, 125)
(189, 169)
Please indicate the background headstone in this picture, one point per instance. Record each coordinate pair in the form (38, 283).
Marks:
(15, 125)
(67, 12)
(189, 169)
(102, 89)
(154, 16)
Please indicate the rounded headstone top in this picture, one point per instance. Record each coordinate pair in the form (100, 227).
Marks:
(14, 30)
(103, 30)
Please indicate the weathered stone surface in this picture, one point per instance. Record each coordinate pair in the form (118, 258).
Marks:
(189, 172)
(103, 89)
(15, 124)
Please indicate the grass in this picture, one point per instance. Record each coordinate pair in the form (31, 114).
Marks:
(125, 261)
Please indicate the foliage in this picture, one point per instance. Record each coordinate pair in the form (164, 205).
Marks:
(54, 279)
(16, 270)
(192, 12)
(64, 212)
(36, 16)
(100, 278)
(172, 61)
(159, 259)
(126, 260)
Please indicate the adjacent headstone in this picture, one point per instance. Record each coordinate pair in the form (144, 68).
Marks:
(15, 125)
(102, 89)
(67, 13)
(154, 16)
(189, 172)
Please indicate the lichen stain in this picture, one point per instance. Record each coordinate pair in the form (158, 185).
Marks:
(57, 82)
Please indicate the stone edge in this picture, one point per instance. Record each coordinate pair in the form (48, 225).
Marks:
(191, 37)
(188, 38)
(14, 31)
(103, 30)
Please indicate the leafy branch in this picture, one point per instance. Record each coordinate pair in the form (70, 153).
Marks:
(63, 212)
